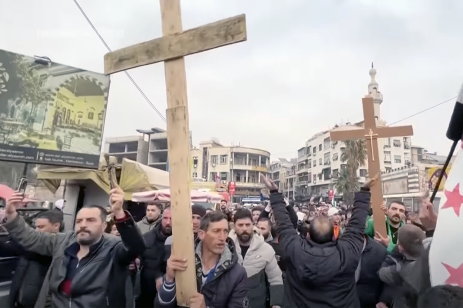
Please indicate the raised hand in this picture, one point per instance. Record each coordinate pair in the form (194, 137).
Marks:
(371, 181)
(427, 216)
(268, 183)
(15, 201)
(116, 199)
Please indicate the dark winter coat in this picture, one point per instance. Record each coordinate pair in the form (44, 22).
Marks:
(322, 275)
(101, 282)
(369, 286)
(153, 266)
(28, 277)
(227, 288)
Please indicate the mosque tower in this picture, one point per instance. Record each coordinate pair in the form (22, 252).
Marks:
(373, 91)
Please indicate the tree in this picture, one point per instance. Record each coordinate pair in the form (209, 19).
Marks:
(344, 185)
(354, 155)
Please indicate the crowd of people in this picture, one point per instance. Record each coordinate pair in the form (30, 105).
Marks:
(277, 256)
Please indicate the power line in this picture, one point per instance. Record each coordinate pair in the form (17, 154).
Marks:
(126, 73)
(424, 110)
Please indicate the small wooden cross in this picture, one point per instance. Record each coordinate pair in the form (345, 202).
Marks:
(171, 48)
(371, 133)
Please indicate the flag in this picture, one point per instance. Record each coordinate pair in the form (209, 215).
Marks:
(445, 256)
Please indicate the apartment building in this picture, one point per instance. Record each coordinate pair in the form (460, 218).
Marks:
(283, 173)
(214, 162)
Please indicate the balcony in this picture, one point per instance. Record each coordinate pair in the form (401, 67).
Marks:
(300, 183)
(249, 185)
(241, 165)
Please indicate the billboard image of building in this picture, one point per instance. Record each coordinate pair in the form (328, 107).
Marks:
(50, 114)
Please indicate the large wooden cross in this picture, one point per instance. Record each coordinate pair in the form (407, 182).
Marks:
(171, 48)
(371, 133)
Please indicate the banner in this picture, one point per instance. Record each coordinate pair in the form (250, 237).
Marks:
(50, 114)
(433, 175)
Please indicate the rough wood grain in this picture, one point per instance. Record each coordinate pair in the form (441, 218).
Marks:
(178, 44)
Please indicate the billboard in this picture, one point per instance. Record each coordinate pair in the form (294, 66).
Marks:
(50, 114)
(433, 175)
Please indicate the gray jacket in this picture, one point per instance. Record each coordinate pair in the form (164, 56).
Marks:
(146, 226)
(104, 282)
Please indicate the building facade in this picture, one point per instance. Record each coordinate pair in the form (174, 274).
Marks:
(283, 173)
(214, 162)
(319, 162)
(148, 148)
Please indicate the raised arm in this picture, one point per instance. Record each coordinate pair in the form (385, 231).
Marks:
(133, 244)
(39, 242)
(353, 237)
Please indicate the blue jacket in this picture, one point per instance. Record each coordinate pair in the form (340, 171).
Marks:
(226, 289)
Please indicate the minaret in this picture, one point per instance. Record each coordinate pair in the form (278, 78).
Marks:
(373, 91)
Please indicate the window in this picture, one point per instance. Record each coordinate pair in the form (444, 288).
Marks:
(195, 174)
(223, 159)
(314, 150)
(195, 160)
(387, 142)
(214, 159)
(319, 176)
(397, 143)
(335, 156)
(363, 172)
(326, 159)
(309, 164)
(213, 176)
(314, 178)
(326, 144)
(314, 162)
(309, 177)
(252, 178)
(397, 159)
(223, 176)
(320, 147)
(319, 161)
(335, 173)
(387, 156)
(263, 161)
(407, 143)
(90, 115)
(238, 177)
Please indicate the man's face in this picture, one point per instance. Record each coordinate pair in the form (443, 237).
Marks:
(243, 229)
(255, 216)
(396, 212)
(215, 238)
(152, 212)
(223, 205)
(336, 218)
(264, 228)
(166, 222)
(196, 222)
(44, 225)
(89, 226)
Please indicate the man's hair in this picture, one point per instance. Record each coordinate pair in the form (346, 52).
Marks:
(223, 200)
(257, 208)
(103, 212)
(397, 202)
(267, 220)
(53, 217)
(242, 214)
(410, 237)
(321, 230)
(214, 216)
(155, 203)
(441, 296)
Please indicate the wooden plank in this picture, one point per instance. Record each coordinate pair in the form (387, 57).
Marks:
(394, 131)
(178, 143)
(368, 113)
(342, 135)
(178, 44)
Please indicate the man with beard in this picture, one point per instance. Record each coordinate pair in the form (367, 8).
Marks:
(220, 279)
(258, 259)
(265, 227)
(32, 268)
(152, 218)
(89, 268)
(152, 262)
(395, 216)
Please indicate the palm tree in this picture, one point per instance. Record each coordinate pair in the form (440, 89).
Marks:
(354, 155)
(343, 185)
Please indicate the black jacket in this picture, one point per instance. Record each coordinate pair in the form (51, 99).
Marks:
(322, 275)
(153, 265)
(101, 282)
(369, 286)
(227, 288)
(29, 275)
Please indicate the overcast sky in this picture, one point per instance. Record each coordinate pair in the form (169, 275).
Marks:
(303, 69)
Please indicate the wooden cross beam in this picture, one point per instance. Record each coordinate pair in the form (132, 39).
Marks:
(371, 133)
(171, 48)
